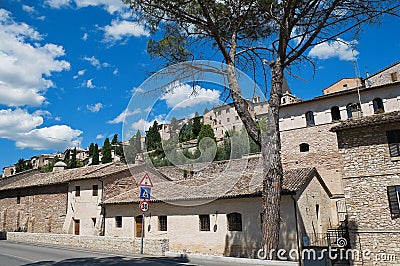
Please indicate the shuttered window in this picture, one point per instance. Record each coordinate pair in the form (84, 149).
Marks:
(393, 196)
(393, 137)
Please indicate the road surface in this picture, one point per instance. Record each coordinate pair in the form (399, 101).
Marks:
(15, 254)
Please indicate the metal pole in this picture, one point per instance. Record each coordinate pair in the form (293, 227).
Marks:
(142, 235)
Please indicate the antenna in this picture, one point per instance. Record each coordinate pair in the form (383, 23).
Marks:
(357, 70)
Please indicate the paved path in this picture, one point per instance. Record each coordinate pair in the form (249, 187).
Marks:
(15, 254)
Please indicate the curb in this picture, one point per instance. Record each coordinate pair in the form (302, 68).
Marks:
(232, 260)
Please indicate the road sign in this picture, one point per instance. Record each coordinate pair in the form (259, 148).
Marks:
(145, 193)
(146, 181)
(144, 206)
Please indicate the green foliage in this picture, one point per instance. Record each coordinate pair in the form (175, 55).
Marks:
(106, 152)
(49, 167)
(21, 165)
(206, 111)
(186, 132)
(196, 125)
(67, 157)
(95, 157)
(133, 148)
(206, 131)
(91, 149)
(73, 163)
(153, 137)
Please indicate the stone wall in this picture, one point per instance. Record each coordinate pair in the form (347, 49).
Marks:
(365, 151)
(368, 170)
(41, 209)
(156, 247)
(323, 153)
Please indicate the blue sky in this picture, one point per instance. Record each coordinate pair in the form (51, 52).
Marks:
(68, 69)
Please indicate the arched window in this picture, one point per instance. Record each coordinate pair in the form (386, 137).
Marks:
(310, 118)
(304, 147)
(353, 110)
(234, 221)
(335, 113)
(378, 106)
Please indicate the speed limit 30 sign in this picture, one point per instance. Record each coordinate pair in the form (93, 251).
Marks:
(144, 206)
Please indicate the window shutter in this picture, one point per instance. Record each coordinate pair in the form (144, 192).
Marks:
(393, 202)
(394, 149)
(393, 137)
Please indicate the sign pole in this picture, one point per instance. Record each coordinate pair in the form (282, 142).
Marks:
(142, 235)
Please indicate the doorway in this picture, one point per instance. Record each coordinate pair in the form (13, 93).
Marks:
(139, 225)
(77, 226)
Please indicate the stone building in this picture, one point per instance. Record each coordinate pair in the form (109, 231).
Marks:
(217, 210)
(370, 154)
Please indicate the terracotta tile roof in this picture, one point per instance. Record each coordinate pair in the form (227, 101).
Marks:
(368, 121)
(51, 178)
(222, 185)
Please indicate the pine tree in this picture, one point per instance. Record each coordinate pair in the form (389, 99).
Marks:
(20, 165)
(153, 137)
(73, 159)
(95, 158)
(67, 157)
(91, 149)
(196, 125)
(106, 152)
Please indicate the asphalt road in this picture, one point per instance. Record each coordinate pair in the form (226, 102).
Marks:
(15, 254)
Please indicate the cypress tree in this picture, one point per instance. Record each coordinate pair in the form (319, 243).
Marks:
(106, 152)
(95, 158)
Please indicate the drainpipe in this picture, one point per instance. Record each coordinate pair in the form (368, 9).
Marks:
(297, 231)
(103, 211)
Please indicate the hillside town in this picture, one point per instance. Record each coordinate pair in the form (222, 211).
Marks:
(340, 189)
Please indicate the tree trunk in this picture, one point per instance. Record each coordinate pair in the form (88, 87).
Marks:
(273, 172)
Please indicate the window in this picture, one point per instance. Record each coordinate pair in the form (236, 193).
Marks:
(335, 113)
(95, 191)
(304, 147)
(18, 199)
(349, 110)
(228, 120)
(118, 221)
(234, 221)
(204, 221)
(227, 111)
(378, 106)
(234, 127)
(393, 193)
(237, 118)
(283, 100)
(393, 137)
(77, 191)
(393, 76)
(345, 87)
(162, 223)
(353, 108)
(94, 222)
(310, 118)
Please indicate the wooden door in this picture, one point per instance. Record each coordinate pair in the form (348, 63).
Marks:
(138, 222)
(77, 226)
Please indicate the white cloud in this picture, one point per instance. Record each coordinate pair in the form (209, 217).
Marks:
(28, 9)
(57, 118)
(80, 73)
(58, 137)
(25, 65)
(144, 125)
(121, 117)
(95, 62)
(120, 29)
(85, 36)
(183, 95)
(115, 72)
(339, 48)
(58, 3)
(20, 126)
(100, 136)
(110, 5)
(89, 84)
(137, 91)
(95, 107)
